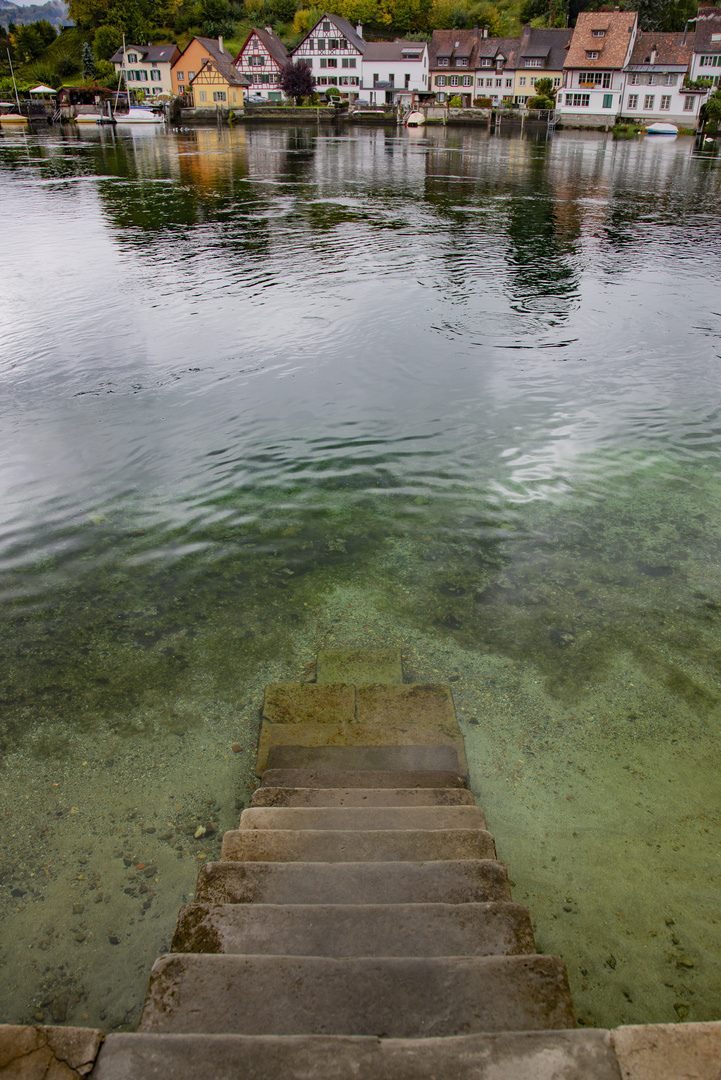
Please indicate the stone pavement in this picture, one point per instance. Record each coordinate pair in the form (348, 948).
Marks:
(359, 925)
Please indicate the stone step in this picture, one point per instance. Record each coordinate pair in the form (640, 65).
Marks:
(366, 818)
(374, 778)
(419, 704)
(366, 758)
(324, 845)
(356, 736)
(293, 703)
(296, 796)
(355, 930)
(388, 997)
(585, 1054)
(358, 666)
(447, 882)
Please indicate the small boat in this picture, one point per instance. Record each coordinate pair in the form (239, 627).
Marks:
(661, 129)
(416, 119)
(14, 117)
(140, 114)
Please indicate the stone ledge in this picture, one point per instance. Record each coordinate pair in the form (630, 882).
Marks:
(47, 1053)
(669, 1051)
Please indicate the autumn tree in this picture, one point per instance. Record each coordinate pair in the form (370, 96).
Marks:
(296, 80)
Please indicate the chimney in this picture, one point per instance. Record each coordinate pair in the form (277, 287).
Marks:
(475, 32)
(359, 30)
(220, 43)
(654, 54)
(269, 29)
(485, 31)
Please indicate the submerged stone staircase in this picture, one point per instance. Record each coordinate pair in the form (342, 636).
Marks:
(358, 924)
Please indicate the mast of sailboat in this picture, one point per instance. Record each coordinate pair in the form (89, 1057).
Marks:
(125, 80)
(15, 85)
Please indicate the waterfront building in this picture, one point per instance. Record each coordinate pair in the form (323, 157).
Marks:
(541, 55)
(260, 60)
(655, 77)
(147, 68)
(189, 62)
(706, 57)
(594, 71)
(393, 67)
(217, 85)
(495, 75)
(333, 50)
(452, 64)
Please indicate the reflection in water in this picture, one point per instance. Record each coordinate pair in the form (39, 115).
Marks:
(266, 388)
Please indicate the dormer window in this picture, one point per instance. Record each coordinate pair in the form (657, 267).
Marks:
(132, 58)
(598, 33)
(486, 62)
(443, 61)
(461, 61)
(534, 61)
(592, 54)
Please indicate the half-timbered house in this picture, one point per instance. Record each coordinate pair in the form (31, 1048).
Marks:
(333, 51)
(218, 86)
(260, 60)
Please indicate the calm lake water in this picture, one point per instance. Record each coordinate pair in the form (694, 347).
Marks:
(270, 388)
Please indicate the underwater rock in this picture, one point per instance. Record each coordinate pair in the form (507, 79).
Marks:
(561, 638)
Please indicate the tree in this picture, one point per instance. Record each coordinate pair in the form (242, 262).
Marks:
(88, 62)
(108, 40)
(31, 40)
(296, 80)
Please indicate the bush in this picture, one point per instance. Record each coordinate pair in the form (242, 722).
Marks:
(65, 66)
(482, 102)
(455, 102)
(539, 102)
(108, 40)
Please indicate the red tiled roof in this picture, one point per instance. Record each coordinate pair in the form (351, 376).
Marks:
(612, 47)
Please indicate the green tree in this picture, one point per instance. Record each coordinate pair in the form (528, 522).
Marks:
(31, 40)
(88, 62)
(108, 40)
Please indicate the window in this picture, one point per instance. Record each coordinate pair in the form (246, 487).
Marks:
(219, 95)
(665, 101)
(333, 43)
(321, 44)
(557, 81)
(467, 80)
(592, 54)
(132, 58)
(263, 78)
(607, 101)
(441, 97)
(499, 82)
(489, 82)
(331, 61)
(522, 80)
(632, 101)
(598, 33)
(203, 95)
(440, 80)
(595, 78)
(533, 80)
(534, 62)
(141, 76)
(635, 80)
(688, 103)
(155, 76)
(348, 62)
(454, 80)
(443, 61)
(652, 80)
(509, 83)
(256, 61)
(715, 37)
(326, 27)
(179, 76)
(711, 61)
(376, 78)
(648, 101)
(669, 80)
(579, 101)
(392, 79)
(461, 61)
(181, 88)
(191, 76)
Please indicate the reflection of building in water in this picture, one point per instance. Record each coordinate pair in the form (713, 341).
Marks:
(210, 158)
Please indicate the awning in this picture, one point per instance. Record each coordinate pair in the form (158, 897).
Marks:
(43, 90)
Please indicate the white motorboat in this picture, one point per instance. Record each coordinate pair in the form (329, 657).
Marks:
(416, 119)
(140, 114)
(660, 128)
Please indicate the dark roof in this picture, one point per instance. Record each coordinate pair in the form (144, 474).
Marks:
(611, 48)
(151, 54)
(671, 51)
(393, 50)
(507, 47)
(272, 42)
(211, 44)
(450, 43)
(229, 72)
(708, 24)
(549, 44)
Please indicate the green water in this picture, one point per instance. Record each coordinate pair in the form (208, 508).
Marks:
(274, 389)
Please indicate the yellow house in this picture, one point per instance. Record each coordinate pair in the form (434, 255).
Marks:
(188, 64)
(541, 55)
(218, 85)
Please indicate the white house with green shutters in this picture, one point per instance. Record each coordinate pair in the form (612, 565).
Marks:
(333, 50)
